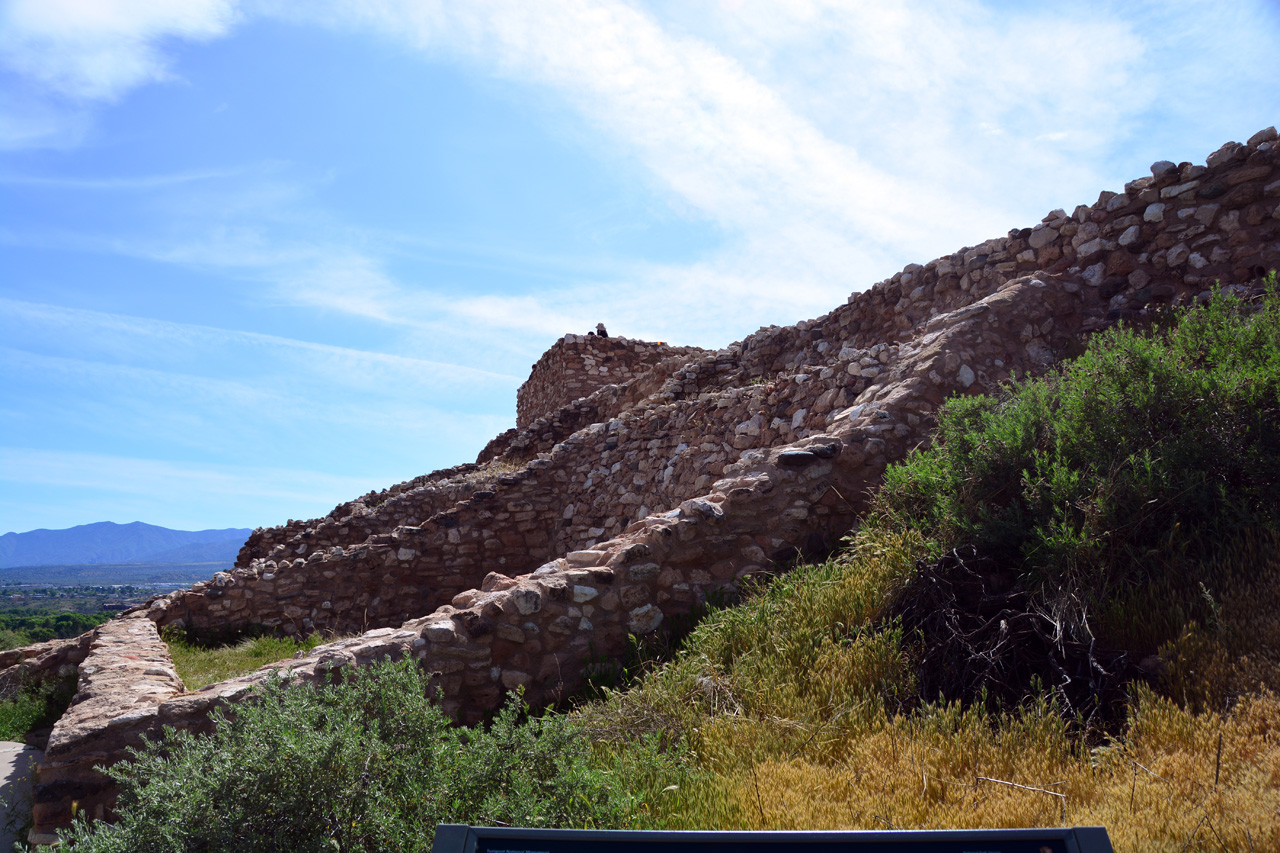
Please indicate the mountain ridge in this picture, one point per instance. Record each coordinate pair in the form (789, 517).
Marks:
(109, 542)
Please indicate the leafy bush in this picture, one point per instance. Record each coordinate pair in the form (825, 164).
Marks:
(790, 705)
(1120, 473)
(365, 764)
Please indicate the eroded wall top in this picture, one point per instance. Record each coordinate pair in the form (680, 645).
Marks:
(577, 365)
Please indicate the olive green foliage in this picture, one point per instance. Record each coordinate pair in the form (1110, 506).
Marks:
(804, 647)
(1127, 466)
(365, 764)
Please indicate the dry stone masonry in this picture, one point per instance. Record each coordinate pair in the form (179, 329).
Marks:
(625, 499)
(577, 365)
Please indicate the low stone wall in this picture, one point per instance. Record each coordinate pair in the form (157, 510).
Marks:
(576, 365)
(123, 679)
(32, 665)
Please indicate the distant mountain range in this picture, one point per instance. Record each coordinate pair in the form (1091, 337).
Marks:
(108, 542)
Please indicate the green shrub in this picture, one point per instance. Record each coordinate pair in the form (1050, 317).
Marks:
(365, 764)
(1118, 474)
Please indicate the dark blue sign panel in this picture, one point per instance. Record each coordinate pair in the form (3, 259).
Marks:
(452, 838)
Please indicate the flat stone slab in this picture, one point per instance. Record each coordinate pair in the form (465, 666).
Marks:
(17, 778)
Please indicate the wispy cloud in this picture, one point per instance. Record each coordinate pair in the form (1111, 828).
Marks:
(128, 336)
(120, 184)
(99, 49)
(830, 142)
(822, 184)
(32, 122)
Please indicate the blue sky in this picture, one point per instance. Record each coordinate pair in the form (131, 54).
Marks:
(257, 258)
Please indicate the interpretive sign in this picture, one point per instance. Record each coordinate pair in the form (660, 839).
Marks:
(455, 838)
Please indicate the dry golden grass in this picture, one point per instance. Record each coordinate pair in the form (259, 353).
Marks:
(1153, 790)
(788, 705)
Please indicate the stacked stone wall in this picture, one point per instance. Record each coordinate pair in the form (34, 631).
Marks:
(576, 365)
(125, 675)
(1165, 239)
(346, 576)
(538, 631)
(707, 469)
(30, 666)
(583, 472)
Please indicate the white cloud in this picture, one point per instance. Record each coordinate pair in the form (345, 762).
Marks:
(99, 49)
(125, 337)
(831, 142)
(735, 124)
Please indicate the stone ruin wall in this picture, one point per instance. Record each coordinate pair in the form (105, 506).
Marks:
(1163, 240)
(731, 462)
(537, 631)
(577, 365)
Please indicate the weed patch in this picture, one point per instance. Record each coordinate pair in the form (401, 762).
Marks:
(35, 707)
(199, 665)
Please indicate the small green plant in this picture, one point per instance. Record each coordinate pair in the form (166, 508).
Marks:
(362, 763)
(35, 707)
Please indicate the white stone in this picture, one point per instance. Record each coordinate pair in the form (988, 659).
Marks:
(585, 558)
(1091, 248)
(1175, 191)
(1154, 212)
(1042, 237)
(440, 632)
(1205, 214)
(584, 593)
(644, 620)
(1130, 236)
(965, 375)
(527, 600)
